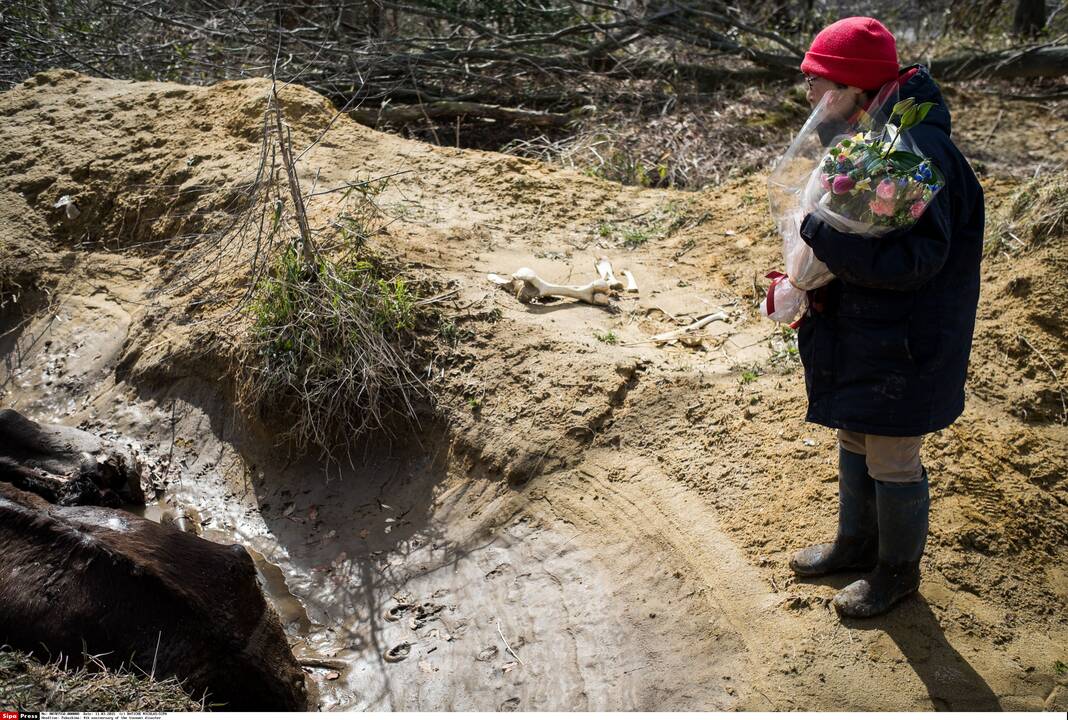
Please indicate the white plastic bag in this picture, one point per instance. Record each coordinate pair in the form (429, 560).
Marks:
(805, 270)
(792, 196)
(785, 302)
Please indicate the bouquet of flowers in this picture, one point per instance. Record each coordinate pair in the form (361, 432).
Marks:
(875, 181)
(865, 177)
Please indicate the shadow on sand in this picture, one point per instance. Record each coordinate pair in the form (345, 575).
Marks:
(952, 683)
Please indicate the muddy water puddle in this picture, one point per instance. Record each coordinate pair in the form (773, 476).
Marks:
(413, 604)
(401, 586)
(405, 595)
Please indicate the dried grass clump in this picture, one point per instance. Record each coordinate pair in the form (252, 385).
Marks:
(26, 683)
(691, 146)
(1039, 210)
(331, 347)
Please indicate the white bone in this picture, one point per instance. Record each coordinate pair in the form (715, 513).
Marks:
(68, 205)
(689, 329)
(672, 336)
(604, 269)
(632, 284)
(594, 293)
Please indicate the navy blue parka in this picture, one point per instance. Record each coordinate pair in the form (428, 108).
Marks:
(885, 350)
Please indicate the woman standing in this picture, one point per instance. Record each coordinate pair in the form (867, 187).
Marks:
(885, 345)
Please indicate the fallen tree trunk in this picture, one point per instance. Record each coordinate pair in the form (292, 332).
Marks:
(451, 108)
(1042, 61)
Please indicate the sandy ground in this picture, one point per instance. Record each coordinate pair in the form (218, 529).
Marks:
(584, 524)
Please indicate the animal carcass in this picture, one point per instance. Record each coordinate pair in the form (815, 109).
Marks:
(141, 595)
(65, 465)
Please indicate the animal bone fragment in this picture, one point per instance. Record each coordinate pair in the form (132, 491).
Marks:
(68, 205)
(527, 286)
(632, 284)
(604, 269)
(319, 662)
(673, 336)
(594, 293)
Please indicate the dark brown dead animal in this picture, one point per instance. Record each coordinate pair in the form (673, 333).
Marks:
(65, 465)
(142, 595)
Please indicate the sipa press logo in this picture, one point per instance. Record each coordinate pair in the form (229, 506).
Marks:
(20, 715)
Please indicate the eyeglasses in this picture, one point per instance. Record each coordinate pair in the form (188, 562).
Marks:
(811, 80)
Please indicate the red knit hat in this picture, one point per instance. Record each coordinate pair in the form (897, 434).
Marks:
(857, 51)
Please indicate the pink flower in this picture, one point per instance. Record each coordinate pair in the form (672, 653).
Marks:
(881, 206)
(842, 157)
(917, 209)
(886, 190)
(825, 181)
(842, 184)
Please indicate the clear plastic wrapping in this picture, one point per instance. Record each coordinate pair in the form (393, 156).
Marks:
(872, 183)
(862, 175)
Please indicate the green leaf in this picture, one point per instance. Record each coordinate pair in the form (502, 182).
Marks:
(922, 110)
(904, 160)
(908, 119)
(902, 107)
(876, 167)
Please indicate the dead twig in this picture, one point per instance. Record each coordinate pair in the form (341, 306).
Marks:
(506, 645)
(284, 147)
(994, 127)
(155, 656)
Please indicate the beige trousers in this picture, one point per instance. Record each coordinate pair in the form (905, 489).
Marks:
(890, 459)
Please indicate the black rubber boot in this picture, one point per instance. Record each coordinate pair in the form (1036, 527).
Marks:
(856, 547)
(903, 510)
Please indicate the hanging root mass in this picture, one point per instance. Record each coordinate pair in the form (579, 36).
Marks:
(331, 345)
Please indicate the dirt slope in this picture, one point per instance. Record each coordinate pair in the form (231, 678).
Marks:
(626, 509)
